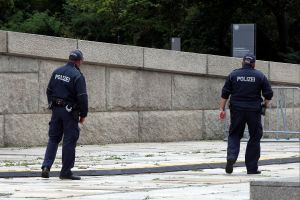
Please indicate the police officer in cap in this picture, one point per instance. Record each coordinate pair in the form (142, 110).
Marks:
(68, 100)
(245, 87)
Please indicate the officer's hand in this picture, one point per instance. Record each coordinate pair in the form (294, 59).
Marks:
(267, 103)
(81, 120)
(222, 114)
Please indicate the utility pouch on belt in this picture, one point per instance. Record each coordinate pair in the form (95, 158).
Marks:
(58, 102)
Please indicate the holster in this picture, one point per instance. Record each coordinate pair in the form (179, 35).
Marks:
(263, 109)
(75, 112)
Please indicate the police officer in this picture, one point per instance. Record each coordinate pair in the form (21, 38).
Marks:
(67, 98)
(245, 86)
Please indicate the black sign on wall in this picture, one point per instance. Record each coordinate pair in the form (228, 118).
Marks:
(243, 39)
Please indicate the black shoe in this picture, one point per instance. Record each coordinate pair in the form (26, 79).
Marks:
(72, 177)
(45, 172)
(229, 166)
(254, 172)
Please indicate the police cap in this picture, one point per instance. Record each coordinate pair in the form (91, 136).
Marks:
(76, 55)
(249, 58)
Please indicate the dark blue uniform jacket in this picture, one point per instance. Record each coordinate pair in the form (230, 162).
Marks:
(246, 86)
(68, 83)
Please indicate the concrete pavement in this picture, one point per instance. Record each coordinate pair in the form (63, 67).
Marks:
(194, 184)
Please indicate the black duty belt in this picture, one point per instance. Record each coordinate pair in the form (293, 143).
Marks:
(59, 102)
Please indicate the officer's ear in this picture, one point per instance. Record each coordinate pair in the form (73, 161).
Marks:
(78, 62)
(253, 65)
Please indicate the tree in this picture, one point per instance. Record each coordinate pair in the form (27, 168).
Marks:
(6, 8)
(203, 25)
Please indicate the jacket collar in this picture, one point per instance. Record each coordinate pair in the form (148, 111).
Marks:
(248, 66)
(73, 65)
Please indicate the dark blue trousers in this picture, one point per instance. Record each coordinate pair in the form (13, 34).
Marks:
(62, 125)
(236, 130)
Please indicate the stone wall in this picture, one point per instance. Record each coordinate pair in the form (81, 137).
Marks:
(136, 94)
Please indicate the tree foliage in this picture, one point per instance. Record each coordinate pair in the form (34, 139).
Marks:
(203, 25)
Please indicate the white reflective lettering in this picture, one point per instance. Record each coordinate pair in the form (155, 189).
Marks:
(245, 79)
(62, 78)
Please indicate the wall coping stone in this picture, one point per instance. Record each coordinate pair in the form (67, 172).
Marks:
(99, 53)
(40, 45)
(175, 61)
(111, 54)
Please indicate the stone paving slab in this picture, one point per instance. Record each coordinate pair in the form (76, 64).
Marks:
(139, 155)
(199, 184)
(194, 184)
(147, 170)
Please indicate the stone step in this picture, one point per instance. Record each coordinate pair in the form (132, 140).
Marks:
(276, 189)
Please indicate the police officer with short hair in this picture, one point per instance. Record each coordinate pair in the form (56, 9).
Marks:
(245, 87)
(68, 100)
